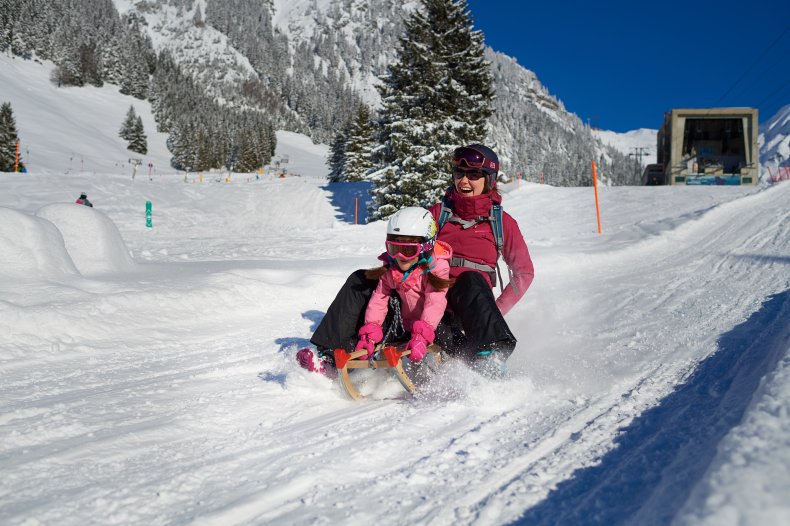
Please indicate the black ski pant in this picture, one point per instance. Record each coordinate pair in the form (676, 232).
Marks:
(472, 322)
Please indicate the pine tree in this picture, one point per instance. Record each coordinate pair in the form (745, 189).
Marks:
(436, 96)
(138, 142)
(337, 156)
(128, 124)
(359, 146)
(198, 18)
(8, 139)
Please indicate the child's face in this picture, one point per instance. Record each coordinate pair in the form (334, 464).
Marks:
(404, 250)
(404, 264)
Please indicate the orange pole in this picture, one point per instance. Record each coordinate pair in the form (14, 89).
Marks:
(356, 210)
(597, 207)
(16, 159)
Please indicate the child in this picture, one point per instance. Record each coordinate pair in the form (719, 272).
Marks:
(417, 268)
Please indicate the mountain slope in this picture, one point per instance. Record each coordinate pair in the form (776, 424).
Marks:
(323, 58)
(774, 142)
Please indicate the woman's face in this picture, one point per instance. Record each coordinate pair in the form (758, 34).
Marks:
(469, 184)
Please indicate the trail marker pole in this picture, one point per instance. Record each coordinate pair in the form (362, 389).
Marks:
(135, 163)
(148, 215)
(16, 158)
(595, 187)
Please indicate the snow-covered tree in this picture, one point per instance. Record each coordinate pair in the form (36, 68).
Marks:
(198, 18)
(8, 138)
(337, 156)
(359, 146)
(138, 142)
(128, 124)
(435, 97)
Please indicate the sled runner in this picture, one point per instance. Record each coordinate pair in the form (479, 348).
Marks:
(389, 357)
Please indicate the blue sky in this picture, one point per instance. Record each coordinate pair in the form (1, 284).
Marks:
(623, 64)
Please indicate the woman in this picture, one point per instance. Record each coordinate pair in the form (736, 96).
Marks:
(474, 327)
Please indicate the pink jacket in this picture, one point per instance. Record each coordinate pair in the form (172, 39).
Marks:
(419, 300)
(477, 244)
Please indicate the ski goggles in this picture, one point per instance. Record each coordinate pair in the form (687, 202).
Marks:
(472, 175)
(465, 157)
(406, 251)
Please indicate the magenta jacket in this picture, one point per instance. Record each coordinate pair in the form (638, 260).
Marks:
(477, 243)
(419, 300)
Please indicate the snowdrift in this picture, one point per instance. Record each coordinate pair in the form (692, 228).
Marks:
(92, 239)
(33, 249)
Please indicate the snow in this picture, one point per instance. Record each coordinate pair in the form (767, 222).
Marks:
(72, 130)
(774, 142)
(148, 374)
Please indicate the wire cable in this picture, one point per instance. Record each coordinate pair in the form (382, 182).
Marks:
(749, 69)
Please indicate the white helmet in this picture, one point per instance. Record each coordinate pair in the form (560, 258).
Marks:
(413, 221)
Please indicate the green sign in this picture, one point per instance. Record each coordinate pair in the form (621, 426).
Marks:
(148, 215)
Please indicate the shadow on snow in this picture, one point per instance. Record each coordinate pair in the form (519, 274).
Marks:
(289, 342)
(343, 197)
(315, 317)
(662, 454)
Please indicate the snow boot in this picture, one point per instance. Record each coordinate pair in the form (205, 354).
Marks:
(322, 364)
(490, 363)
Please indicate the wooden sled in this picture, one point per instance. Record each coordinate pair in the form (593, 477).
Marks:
(391, 361)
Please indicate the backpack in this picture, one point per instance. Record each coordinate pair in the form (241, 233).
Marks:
(495, 218)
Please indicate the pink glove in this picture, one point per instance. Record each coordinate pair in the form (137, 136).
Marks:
(417, 347)
(369, 335)
(422, 336)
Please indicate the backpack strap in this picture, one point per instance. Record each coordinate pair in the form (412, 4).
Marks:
(499, 237)
(496, 226)
(444, 215)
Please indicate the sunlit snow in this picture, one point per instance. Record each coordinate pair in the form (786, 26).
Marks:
(148, 374)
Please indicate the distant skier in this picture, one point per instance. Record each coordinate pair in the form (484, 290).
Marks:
(83, 200)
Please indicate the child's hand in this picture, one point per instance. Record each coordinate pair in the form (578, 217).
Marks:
(422, 335)
(369, 335)
(417, 347)
(366, 344)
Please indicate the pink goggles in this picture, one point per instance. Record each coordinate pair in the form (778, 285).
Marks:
(407, 251)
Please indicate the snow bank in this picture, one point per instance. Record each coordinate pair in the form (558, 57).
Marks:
(92, 239)
(33, 249)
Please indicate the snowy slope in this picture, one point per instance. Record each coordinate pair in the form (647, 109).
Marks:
(148, 375)
(168, 392)
(72, 130)
(775, 142)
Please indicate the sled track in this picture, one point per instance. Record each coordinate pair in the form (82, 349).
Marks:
(618, 431)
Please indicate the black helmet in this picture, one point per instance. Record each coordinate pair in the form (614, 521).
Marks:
(480, 157)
